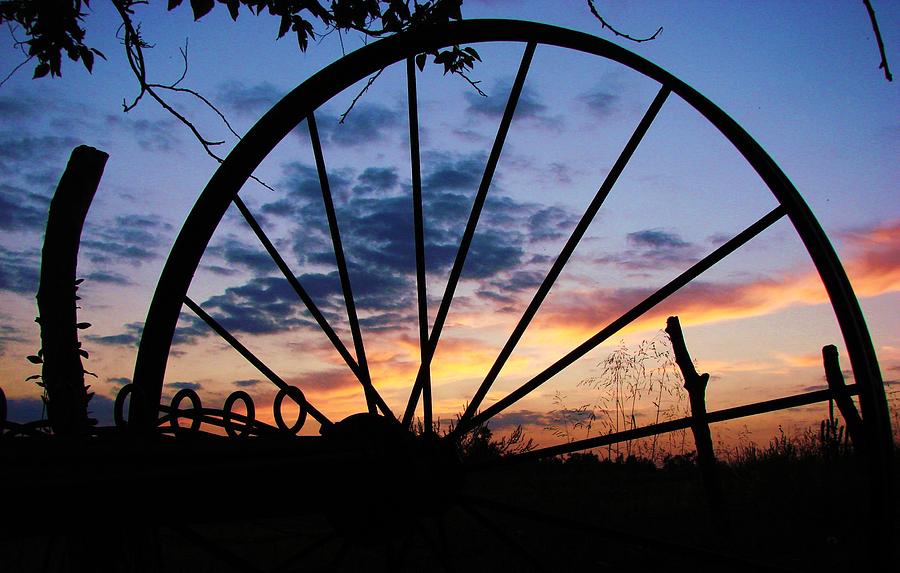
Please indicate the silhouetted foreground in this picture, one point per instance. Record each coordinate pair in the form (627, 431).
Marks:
(790, 506)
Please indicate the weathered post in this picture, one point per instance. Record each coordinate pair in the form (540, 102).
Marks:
(63, 373)
(845, 405)
(695, 384)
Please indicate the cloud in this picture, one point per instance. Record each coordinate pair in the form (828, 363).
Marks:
(119, 381)
(520, 281)
(493, 252)
(873, 265)
(366, 123)
(263, 305)
(654, 238)
(376, 179)
(8, 334)
(600, 102)
(159, 135)
(21, 209)
(107, 277)
(453, 173)
(185, 385)
(238, 254)
(528, 107)
(130, 337)
(326, 381)
(304, 193)
(523, 418)
(376, 222)
(19, 271)
(247, 383)
(654, 249)
(21, 153)
(130, 239)
(18, 106)
(550, 223)
(249, 100)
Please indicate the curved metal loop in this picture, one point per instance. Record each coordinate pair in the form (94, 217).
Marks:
(297, 396)
(136, 393)
(196, 406)
(227, 421)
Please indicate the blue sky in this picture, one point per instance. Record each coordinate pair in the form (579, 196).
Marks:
(802, 79)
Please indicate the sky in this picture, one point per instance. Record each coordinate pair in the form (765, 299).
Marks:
(801, 78)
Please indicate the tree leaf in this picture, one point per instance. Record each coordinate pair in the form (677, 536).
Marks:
(420, 61)
(174, 4)
(87, 57)
(41, 70)
(33, 377)
(83, 325)
(34, 359)
(83, 353)
(284, 26)
(78, 281)
(201, 8)
(233, 6)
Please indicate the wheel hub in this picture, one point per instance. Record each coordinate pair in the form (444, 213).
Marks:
(387, 479)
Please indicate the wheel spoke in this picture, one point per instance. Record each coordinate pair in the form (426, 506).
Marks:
(252, 359)
(298, 288)
(517, 548)
(316, 545)
(636, 312)
(726, 414)
(370, 392)
(224, 554)
(419, 224)
(704, 555)
(469, 232)
(567, 251)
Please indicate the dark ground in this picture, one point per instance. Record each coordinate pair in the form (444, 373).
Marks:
(781, 514)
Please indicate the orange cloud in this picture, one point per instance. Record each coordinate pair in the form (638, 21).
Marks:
(873, 267)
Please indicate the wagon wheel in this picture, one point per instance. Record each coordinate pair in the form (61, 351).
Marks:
(399, 454)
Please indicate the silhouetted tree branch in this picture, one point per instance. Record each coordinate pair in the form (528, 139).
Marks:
(884, 64)
(54, 27)
(605, 24)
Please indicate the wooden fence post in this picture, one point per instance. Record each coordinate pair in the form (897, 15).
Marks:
(695, 384)
(63, 372)
(835, 378)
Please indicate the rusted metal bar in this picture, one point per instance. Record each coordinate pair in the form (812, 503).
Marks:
(469, 232)
(695, 384)
(419, 225)
(648, 303)
(342, 269)
(63, 372)
(847, 408)
(252, 359)
(569, 248)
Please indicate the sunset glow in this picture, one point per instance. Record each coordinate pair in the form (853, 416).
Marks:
(756, 322)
